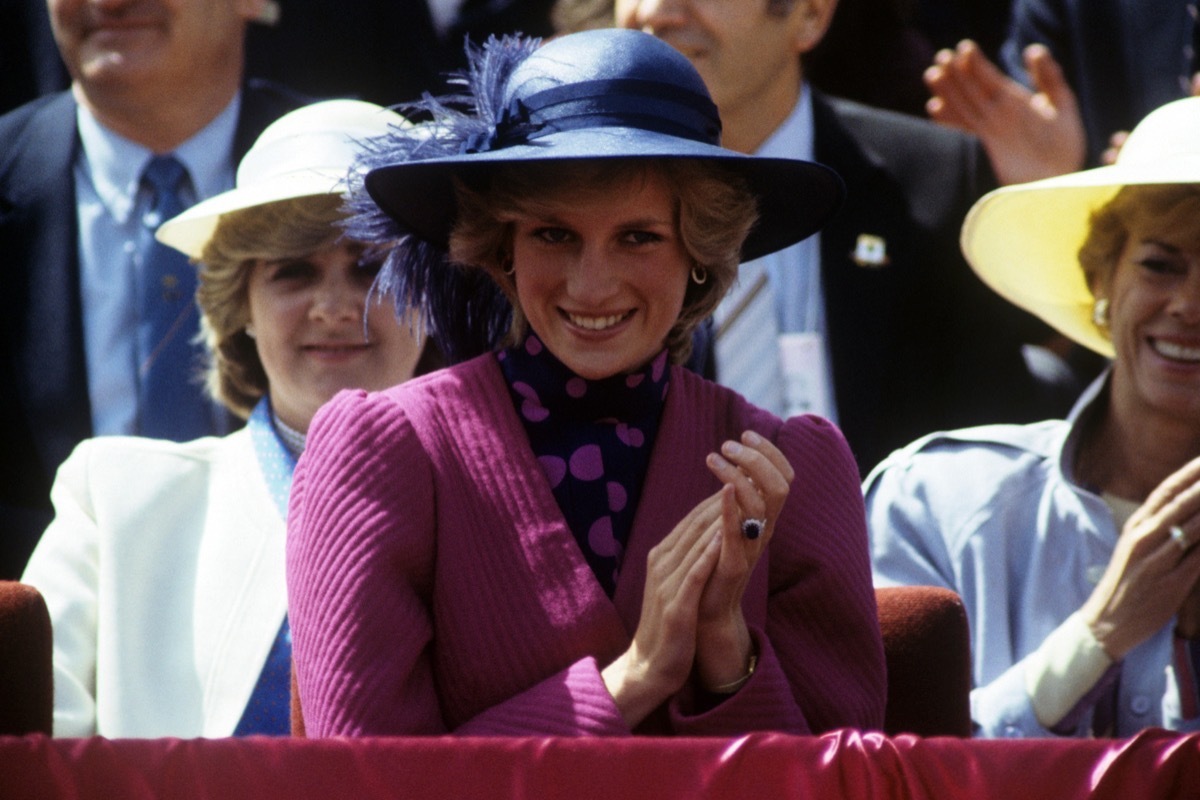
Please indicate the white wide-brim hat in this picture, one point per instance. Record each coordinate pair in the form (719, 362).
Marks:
(1024, 240)
(309, 151)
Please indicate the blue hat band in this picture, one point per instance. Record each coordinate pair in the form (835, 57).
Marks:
(625, 103)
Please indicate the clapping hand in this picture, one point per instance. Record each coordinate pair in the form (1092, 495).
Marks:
(695, 577)
(1028, 135)
(1154, 570)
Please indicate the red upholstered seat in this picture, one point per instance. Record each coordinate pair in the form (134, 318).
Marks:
(927, 646)
(26, 672)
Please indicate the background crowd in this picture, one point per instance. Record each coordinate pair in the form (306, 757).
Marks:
(117, 115)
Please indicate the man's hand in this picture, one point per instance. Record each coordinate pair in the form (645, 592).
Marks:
(1027, 135)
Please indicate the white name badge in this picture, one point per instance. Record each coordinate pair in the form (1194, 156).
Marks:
(806, 388)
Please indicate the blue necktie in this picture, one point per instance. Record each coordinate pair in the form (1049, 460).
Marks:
(269, 711)
(171, 402)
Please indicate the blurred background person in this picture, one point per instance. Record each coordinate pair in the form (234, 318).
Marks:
(99, 318)
(1075, 77)
(876, 323)
(383, 51)
(1073, 542)
(164, 566)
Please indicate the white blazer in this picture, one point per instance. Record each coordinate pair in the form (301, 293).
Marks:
(164, 574)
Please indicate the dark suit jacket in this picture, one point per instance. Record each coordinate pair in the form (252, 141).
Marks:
(44, 405)
(1123, 58)
(919, 343)
(385, 51)
(30, 65)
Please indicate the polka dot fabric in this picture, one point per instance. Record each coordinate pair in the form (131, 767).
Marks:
(592, 440)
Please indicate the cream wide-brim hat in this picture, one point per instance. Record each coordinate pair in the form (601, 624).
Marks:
(306, 152)
(1024, 240)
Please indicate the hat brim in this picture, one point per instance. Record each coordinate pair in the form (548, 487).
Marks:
(1023, 240)
(795, 198)
(191, 231)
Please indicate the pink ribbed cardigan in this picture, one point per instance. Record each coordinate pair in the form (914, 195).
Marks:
(434, 586)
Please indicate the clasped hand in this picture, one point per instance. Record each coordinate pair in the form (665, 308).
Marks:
(1152, 575)
(695, 577)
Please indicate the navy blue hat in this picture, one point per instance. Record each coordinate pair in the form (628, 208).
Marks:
(598, 94)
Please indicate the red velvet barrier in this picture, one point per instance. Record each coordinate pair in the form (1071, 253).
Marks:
(846, 764)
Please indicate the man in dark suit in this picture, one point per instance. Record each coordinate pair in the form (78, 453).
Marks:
(880, 325)
(148, 78)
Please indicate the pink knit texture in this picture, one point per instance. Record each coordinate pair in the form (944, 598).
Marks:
(434, 586)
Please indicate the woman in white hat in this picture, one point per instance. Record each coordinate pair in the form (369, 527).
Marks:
(1072, 542)
(164, 566)
(569, 534)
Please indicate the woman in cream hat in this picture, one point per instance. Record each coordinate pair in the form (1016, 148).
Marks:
(571, 534)
(164, 566)
(1073, 542)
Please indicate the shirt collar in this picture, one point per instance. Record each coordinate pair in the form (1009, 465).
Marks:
(794, 137)
(115, 164)
(1084, 410)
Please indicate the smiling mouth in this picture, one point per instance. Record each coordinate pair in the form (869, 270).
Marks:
(337, 348)
(1176, 352)
(597, 323)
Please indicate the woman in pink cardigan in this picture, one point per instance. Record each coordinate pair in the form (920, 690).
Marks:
(570, 534)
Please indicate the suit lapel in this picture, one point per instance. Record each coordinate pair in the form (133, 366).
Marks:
(862, 302)
(240, 577)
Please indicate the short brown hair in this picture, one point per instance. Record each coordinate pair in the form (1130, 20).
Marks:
(293, 228)
(1109, 226)
(715, 211)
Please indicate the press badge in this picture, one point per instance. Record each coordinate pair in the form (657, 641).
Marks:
(802, 362)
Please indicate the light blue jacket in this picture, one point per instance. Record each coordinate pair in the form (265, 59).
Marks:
(994, 514)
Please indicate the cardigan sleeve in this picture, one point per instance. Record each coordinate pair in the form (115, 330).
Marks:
(359, 566)
(361, 541)
(822, 619)
(821, 660)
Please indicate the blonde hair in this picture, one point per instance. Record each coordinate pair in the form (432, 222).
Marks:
(1109, 226)
(714, 208)
(293, 228)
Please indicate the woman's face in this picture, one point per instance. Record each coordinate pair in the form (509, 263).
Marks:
(1154, 316)
(306, 316)
(601, 278)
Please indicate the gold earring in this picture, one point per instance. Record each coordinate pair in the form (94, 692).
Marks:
(1100, 312)
(250, 330)
(699, 275)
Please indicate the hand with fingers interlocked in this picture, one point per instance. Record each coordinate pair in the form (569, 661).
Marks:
(691, 609)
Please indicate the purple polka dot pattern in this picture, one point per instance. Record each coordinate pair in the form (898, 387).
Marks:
(617, 496)
(593, 440)
(587, 463)
(630, 436)
(601, 540)
(531, 406)
(555, 469)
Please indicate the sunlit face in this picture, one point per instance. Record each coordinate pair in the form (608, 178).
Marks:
(148, 45)
(1154, 317)
(748, 57)
(306, 316)
(601, 278)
